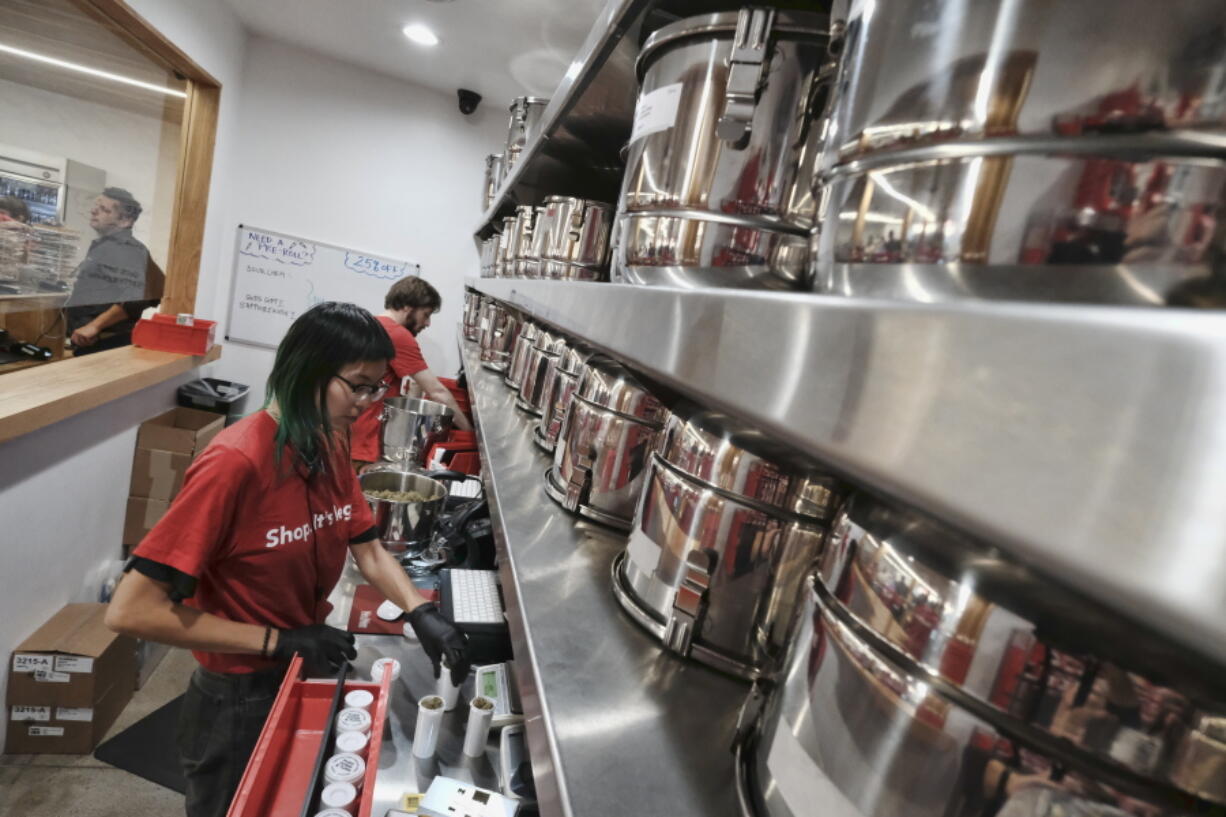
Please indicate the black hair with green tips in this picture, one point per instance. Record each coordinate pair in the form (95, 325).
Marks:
(319, 343)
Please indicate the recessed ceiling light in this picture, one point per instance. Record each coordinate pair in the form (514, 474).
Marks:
(421, 35)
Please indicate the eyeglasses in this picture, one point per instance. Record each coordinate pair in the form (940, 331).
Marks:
(364, 391)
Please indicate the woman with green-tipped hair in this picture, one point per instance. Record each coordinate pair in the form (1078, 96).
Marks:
(240, 567)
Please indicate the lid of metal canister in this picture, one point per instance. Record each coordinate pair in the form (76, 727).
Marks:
(722, 25)
(734, 457)
(610, 385)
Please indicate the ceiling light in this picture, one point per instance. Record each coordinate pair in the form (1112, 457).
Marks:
(421, 35)
(93, 72)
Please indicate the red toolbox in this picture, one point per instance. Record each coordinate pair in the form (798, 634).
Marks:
(280, 770)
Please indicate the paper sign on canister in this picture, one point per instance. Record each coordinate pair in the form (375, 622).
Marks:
(656, 111)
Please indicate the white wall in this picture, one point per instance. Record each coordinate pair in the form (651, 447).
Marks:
(63, 488)
(339, 154)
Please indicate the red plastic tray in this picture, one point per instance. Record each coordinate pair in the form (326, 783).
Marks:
(279, 772)
(165, 334)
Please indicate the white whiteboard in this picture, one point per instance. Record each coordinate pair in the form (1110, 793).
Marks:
(277, 277)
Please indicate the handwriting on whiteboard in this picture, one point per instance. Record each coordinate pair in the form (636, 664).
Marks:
(375, 267)
(275, 248)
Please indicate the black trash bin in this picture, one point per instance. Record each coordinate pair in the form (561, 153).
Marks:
(210, 394)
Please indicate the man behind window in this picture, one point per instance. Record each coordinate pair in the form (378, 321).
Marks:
(117, 280)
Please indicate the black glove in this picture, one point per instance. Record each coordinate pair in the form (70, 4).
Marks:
(441, 639)
(323, 648)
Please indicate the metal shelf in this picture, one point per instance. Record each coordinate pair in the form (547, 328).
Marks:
(614, 725)
(1089, 442)
(589, 117)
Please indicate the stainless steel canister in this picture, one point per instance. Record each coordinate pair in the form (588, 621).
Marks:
(489, 256)
(917, 74)
(519, 354)
(504, 260)
(520, 251)
(726, 526)
(498, 336)
(410, 427)
(531, 260)
(472, 315)
(533, 387)
(405, 524)
(578, 231)
(725, 131)
(523, 128)
(606, 438)
(493, 180)
(564, 375)
(969, 685)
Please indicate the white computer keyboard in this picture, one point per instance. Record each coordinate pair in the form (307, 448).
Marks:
(474, 597)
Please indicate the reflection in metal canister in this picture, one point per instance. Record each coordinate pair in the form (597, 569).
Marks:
(1024, 654)
(726, 528)
(850, 732)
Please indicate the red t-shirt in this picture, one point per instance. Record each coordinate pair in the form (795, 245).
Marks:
(263, 540)
(364, 434)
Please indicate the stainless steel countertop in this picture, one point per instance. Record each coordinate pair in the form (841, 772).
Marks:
(1089, 442)
(614, 725)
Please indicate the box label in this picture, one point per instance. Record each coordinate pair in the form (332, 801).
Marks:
(84, 714)
(656, 111)
(30, 713)
(46, 731)
(30, 662)
(48, 677)
(73, 663)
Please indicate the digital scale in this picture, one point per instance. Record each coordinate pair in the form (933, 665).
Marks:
(497, 682)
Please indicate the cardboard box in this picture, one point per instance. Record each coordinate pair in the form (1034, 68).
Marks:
(158, 474)
(149, 655)
(180, 430)
(68, 682)
(142, 515)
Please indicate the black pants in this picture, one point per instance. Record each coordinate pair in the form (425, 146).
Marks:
(219, 724)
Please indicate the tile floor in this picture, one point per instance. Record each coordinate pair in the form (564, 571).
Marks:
(79, 785)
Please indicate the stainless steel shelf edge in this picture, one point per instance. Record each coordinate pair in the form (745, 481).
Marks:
(613, 724)
(1088, 441)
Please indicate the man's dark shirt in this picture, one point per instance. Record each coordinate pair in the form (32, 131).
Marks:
(117, 270)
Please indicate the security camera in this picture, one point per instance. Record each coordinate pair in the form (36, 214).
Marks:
(469, 100)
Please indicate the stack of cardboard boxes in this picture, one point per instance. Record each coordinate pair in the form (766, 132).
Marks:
(165, 446)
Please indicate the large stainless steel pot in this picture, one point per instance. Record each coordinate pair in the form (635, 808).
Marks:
(524, 126)
(404, 527)
(519, 354)
(529, 262)
(472, 315)
(967, 683)
(411, 426)
(925, 73)
(606, 437)
(578, 231)
(504, 260)
(520, 247)
(500, 326)
(489, 256)
(533, 389)
(563, 375)
(493, 179)
(722, 147)
(725, 528)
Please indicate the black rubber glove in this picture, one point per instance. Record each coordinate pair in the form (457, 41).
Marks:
(441, 640)
(323, 648)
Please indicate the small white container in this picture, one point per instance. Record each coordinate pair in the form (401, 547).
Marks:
(477, 730)
(340, 796)
(383, 665)
(353, 720)
(429, 724)
(333, 812)
(446, 690)
(352, 742)
(359, 699)
(345, 768)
